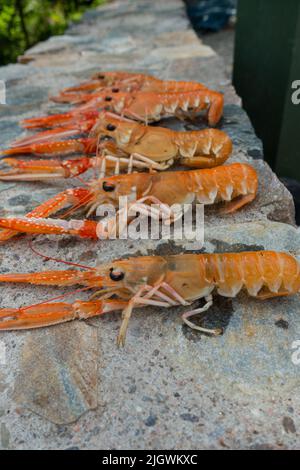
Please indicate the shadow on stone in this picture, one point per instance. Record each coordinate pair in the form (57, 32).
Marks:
(218, 316)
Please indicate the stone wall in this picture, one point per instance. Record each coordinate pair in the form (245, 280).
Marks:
(69, 386)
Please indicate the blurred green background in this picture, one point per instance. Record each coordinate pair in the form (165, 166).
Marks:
(23, 23)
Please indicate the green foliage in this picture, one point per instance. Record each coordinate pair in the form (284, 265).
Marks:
(23, 23)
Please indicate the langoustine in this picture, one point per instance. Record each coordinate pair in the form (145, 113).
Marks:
(115, 78)
(233, 185)
(138, 82)
(120, 143)
(142, 106)
(162, 281)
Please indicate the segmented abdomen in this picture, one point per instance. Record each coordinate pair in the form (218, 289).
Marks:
(211, 143)
(192, 101)
(154, 106)
(260, 273)
(223, 183)
(170, 86)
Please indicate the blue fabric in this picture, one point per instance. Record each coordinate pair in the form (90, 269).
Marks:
(210, 15)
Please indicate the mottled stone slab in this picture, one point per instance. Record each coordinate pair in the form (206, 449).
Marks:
(58, 372)
(170, 387)
(185, 51)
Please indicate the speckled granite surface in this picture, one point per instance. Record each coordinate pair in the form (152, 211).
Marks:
(69, 386)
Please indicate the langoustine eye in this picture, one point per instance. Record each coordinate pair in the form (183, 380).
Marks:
(108, 187)
(110, 127)
(117, 276)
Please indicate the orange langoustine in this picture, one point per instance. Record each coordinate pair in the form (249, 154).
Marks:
(163, 281)
(231, 185)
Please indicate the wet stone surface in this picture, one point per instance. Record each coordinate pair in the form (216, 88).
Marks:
(69, 386)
